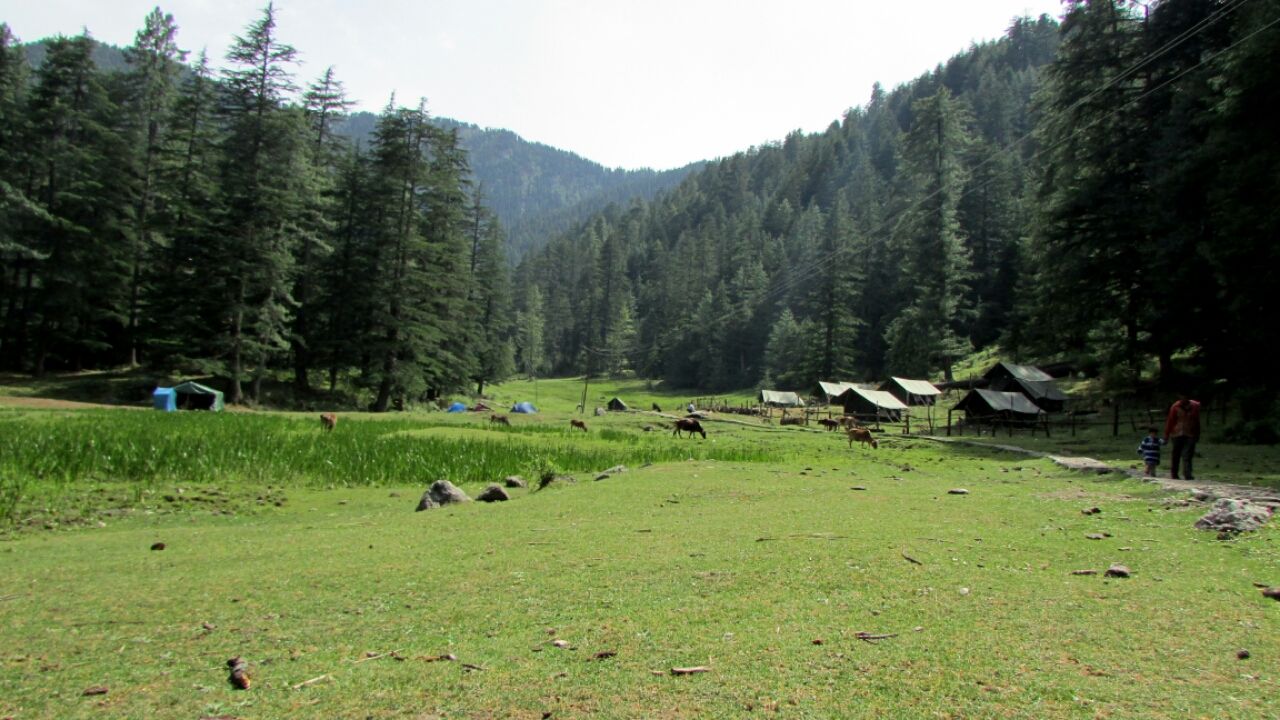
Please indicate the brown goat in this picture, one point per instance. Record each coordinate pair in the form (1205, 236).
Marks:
(828, 423)
(863, 436)
(496, 419)
(578, 424)
(690, 426)
(328, 421)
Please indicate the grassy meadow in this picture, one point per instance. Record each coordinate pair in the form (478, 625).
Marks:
(773, 558)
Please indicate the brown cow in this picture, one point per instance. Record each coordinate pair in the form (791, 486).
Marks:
(328, 421)
(690, 426)
(863, 436)
(578, 424)
(828, 423)
(496, 419)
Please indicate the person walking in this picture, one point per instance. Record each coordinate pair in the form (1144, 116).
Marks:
(1183, 426)
(1149, 449)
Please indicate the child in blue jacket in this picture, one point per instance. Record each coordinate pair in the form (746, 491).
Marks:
(1149, 449)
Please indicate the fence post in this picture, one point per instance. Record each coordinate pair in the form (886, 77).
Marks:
(948, 422)
(1115, 417)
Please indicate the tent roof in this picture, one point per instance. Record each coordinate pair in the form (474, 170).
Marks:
(879, 398)
(1029, 373)
(781, 398)
(617, 402)
(195, 388)
(834, 389)
(1012, 401)
(915, 387)
(1042, 389)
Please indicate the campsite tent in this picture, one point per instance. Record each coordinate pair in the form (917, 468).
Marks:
(1031, 381)
(994, 403)
(457, 407)
(524, 408)
(164, 399)
(616, 405)
(778, 398)
(911, 392)
(827, 392)
(194, 396)
(879, 404)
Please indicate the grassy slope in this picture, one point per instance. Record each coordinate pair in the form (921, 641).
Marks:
(666, 566)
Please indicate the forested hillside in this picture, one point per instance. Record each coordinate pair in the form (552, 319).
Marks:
(1097, 191)
(164, 216)
(536, 191)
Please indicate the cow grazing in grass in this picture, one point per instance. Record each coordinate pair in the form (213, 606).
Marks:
(328, 421)
(863, 436)
(496, 419)
(828, 423)
(690, 426)
(578, 424)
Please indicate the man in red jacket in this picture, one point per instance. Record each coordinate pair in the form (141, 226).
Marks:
(1183, 425)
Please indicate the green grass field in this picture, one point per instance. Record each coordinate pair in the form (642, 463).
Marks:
(750, 554)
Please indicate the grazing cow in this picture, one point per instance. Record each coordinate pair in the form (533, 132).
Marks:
(828, 423)
(328, 421)
(863, 436)
(497, 419)
(578, 424)
(690, 426)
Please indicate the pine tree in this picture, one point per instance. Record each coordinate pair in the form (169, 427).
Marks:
(261, 165)
(929, 330)
(154, 61)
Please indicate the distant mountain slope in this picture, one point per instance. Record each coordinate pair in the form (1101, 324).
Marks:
(538, 191)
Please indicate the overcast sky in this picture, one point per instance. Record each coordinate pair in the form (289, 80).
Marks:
(626, 83)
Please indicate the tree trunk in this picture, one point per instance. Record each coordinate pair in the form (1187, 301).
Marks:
(237, 394)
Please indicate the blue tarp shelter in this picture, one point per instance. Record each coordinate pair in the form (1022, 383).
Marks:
(524, 408)
(457, 407)
(164, 399)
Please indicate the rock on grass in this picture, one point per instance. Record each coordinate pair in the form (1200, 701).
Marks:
(441, 492)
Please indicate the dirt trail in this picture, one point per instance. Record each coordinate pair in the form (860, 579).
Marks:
(1261, 495)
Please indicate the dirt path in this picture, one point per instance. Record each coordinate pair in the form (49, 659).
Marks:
(1260, 495)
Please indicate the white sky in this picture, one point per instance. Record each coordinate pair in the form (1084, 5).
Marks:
(626, 83)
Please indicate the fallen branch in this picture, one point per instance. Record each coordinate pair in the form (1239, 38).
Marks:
(872, 637)
(367, 658)
(469, 666)
(910, 559)
(312, 681)
(690, 670)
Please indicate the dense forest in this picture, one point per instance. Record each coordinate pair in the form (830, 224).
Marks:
(1094, 190)
(1098, 189)
(161, 215)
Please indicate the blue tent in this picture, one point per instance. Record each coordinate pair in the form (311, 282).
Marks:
(457, 407)
(164, 399)
(525, 408)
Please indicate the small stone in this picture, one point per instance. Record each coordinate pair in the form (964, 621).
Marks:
(1118, 571)
(1098, 536)
(157, 546)
(817, 641)
(560, 643)
(514, 481)
(1271, 592)
(957, 491)
(1091, 511)
(1242, 654)
(964, 591)
(99, 690)
(441, 492)
(1084, 572)
(857, 487)
(918, 628)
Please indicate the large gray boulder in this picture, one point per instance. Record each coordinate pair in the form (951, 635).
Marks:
(1231, 515)
(441, 492)
(515, 481)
